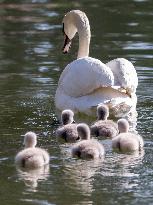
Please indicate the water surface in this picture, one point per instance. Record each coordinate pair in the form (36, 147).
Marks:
(30, 65)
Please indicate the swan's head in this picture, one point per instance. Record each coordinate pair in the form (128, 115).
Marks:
(74, 21)
(69, 30)
(30, 139)
(102, 112)
(67, 117)
(83, 131)
(123, 125)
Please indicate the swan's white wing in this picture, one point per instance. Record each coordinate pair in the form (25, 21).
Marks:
(124, 74)
(88, 103)
(84, 75)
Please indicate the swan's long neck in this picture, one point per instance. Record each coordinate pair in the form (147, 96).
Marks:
(83, 28)
(84, 40)
(77, 21)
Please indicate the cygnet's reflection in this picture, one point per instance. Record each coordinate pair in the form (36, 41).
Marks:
(131, 160)
(32, 176)
(122, 165)
(80, 174)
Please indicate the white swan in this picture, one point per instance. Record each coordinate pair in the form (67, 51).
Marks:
(87, 82)
(31, 157)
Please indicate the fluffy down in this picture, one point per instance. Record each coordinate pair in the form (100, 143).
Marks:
(88, 149)
(127, 142)
(32, 158)
(104, 128)
(85, 75)
(67, 133)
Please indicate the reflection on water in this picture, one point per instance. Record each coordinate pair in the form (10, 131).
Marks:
(32, 177)
(80, 175)
(116, 172)
(31, 63)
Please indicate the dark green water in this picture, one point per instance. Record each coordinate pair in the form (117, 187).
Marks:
(30, 65)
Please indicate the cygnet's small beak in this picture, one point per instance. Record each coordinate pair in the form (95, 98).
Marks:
(67, 44)
(23, 140)
(78, 138)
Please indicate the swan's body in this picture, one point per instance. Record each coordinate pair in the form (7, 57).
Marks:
(126, 141)
(87, 82)
(104, 127)
(68, 131)
(87, 148)
(31, 157)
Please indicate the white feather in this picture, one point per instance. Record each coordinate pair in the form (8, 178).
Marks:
(85, 75)
(124, 73)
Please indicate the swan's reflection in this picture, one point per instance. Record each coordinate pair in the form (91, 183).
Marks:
(32, 176)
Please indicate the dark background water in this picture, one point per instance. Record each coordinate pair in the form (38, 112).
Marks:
(31, 62)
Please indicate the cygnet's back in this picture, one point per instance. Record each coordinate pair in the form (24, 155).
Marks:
(126, 141)
(87, 148)
(68, 131)
(31, 157)
(103, 127)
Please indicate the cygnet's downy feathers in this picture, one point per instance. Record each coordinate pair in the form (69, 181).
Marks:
(126, 141)
(104, 127)
(68, 131)
(87, 148)
(31, 157)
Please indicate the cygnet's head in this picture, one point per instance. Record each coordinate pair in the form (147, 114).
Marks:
(123, 125)
(83, 131)
(102, 112)
(30, 139)
(67, 117)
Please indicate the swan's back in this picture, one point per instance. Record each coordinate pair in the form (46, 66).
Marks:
(84, 75)
(124, 73)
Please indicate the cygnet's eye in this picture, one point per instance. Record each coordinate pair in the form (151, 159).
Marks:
(78, 138)
(63, 29)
